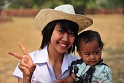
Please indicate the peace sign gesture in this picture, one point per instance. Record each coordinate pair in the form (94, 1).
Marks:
(26, 64)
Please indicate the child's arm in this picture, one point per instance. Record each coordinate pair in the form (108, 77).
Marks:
(107, 76)
(69, 79)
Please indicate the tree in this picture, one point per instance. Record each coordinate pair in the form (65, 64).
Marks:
(117, 3)
(79, 5)
(82, 5)
(16, 4)
(2, 3)
(112, 4)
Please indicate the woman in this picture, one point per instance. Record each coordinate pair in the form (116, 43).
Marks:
(59, 28)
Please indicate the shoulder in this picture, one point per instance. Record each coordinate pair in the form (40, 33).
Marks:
(102, 68)
(103, 72)
(70, 57)
(34, 55)
(78, 61)
(73, 57)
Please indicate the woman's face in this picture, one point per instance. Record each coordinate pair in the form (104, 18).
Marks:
(90, 52)
(61, 41)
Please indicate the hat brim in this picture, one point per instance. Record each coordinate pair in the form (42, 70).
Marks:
(47, 15)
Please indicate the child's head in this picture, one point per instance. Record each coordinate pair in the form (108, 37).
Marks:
(89, 46)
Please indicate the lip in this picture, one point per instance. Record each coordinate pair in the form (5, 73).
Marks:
(63, 45)
(92, 61)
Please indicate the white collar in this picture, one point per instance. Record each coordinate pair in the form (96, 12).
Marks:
(43, 58)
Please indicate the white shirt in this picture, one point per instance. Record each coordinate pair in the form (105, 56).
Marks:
(44, 72)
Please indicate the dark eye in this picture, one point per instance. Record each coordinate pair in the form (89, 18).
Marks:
(87, 54)
(72, 34)
(61, 31)
(96, 52)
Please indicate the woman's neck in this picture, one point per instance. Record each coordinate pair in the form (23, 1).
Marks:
(55, 60)
(55, 56)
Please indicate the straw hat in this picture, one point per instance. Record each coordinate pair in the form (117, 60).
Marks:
(62, 12)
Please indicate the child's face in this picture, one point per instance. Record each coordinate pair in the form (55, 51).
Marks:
(90, 52)
(61, 41)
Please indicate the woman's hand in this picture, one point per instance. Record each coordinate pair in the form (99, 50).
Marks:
(26, 64)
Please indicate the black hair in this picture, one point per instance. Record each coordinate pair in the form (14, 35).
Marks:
(65, 25)
(88, 36)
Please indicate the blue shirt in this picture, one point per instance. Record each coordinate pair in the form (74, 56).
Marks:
(44, 72)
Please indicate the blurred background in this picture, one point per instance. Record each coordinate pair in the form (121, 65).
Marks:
(17, 25)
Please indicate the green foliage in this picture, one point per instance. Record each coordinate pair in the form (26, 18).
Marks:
(112, 3)
(51, 3)
(21, 4)
(92, 4)
(76, 3)
(35, 3)
(2, 2)
(79, 5)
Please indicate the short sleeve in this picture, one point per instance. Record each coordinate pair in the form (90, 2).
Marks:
(107, 77)
(17, 73)
(103, 74)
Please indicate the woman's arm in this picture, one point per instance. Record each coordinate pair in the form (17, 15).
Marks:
(20, 80)
(26, 65)
(27, 79)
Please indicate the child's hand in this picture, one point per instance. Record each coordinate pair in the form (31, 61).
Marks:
(59, 81)
(26, 64)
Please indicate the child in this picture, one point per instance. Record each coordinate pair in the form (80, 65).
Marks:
(90, 68)
(59, 28)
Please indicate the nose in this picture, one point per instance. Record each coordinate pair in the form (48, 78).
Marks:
(65, 37)
(92, 56)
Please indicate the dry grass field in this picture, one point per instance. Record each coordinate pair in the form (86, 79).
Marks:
(22, 29)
